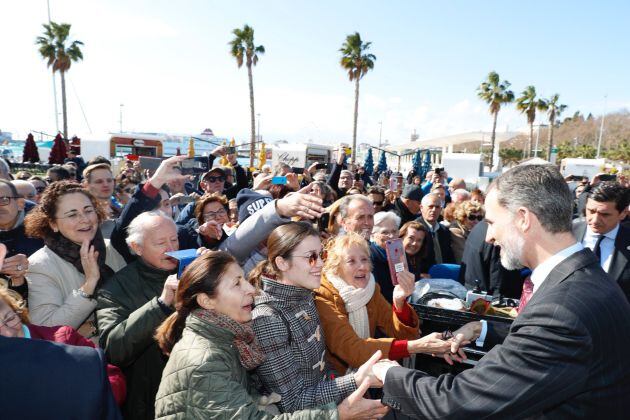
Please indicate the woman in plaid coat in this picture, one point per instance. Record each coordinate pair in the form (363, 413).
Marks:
(287, 325)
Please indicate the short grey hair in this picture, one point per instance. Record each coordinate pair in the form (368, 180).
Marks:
(426, 198)
(542, 190)
(345, 171)
(137, 228)
(343, 207)
(461, 195)
(384, 216)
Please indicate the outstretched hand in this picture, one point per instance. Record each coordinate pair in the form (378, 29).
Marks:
(357, 407)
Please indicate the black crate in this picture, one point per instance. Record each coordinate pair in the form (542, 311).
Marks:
(439, 320)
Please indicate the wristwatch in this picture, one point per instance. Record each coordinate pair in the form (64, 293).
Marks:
(81, 292)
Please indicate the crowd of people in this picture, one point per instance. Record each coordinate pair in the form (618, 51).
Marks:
(290, 309)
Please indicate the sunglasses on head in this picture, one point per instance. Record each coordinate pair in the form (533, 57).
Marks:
(377, 203)
(313, 257)
(477, 217)
(212, 178)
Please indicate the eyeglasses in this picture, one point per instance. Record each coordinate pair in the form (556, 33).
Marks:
(377, 203)
(212, 178)
(128, 190)
(4, 201)
(10, 321)
(214, 215)
(388, 233)
(75, 216)
(313, 257)
(40, 189)
(477, 217)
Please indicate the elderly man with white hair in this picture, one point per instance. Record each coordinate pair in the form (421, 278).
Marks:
(133, 303)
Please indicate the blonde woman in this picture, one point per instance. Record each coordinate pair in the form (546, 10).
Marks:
(351, 308)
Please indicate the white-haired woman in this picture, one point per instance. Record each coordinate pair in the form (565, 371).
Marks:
(386, 224)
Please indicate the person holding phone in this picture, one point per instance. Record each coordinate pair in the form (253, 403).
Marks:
(351, 308)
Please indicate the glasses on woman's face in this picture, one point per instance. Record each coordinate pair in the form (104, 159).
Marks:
(313, 257)
(40, 189)
(389, 233)
(75, 216)
(214, 215)
(4, 201)
(11, 320)
(477, 217)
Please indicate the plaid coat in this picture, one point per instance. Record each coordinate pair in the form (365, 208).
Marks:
(296, 365)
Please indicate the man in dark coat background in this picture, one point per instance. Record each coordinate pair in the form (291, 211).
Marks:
(566, 353)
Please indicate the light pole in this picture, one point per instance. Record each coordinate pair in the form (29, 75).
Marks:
(601, 129)
(258, 135)
(54, 80)
(120, 121)
(380, 133)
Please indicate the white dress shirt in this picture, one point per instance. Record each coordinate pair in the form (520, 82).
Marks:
(606, 246)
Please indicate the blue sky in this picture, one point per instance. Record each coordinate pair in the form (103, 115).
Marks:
(168, 63)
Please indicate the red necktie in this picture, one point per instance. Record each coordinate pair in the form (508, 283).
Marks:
(528, 291)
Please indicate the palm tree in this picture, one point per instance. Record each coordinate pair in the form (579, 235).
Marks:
(528, 104)
(243, 49)
(554, 109)
(495, 93)
(356, 60)
(53, 46)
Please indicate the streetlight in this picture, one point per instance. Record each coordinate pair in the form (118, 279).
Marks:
(380, 133)
(120, 121)
(258, 135)
(601, 129)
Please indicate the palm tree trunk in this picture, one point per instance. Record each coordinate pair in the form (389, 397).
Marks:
(252, 145)
(531, 139)
(63, 106)
(494, 135)
(356, 118)
(550, 139)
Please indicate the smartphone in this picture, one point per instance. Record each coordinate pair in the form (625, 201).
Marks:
(393, 184)
(230, 150)
(279, 180)
(321, 166)
(191, 166)
(298, 171)
(184, 257)
(438, 170)
(322, 222)
(396, 258)
(150, 163)
(575, 178)
(608, 177)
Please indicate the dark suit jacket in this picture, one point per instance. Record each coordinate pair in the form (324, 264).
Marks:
(619, 269)
(444, 236)
(566, 356)
(482, 261)
(44, 380)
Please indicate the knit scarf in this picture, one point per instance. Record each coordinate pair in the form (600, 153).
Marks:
(70, 252)
(249, 351)
(356, 301)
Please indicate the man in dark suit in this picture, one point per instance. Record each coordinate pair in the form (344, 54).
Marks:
(440, 251)
(45, 380)
(566, 354)
(602, 231)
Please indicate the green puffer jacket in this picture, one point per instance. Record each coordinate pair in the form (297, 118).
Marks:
(128, 314)
(204, 379)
